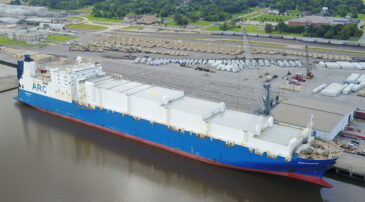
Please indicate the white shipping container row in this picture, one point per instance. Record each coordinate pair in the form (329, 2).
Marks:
(319, 88)
(172, 108)
(231, 65)
(353, 83)
(333, 90)
(343, 65)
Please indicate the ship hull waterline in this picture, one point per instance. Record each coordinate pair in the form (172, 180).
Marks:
(30, 99)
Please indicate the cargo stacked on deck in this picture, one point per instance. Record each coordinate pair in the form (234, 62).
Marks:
(166, 118)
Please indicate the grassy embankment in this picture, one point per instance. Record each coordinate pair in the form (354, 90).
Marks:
(200, 23)
(76, 18)
(336, 50)
(249, 28)
(8, 42)
(133, 27)
(84, 26)
(92, 18)
(56, 39)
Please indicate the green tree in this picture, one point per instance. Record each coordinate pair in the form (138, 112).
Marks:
(281, 27)
(224, 26)
(330, 34)
(195, 17)
(269, 28)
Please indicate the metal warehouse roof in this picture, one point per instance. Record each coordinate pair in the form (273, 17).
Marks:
(319, 105)
(298, 112)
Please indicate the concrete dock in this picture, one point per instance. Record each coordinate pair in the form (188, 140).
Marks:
(8, 79)
(350, 163)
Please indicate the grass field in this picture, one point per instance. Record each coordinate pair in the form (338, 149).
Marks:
(56, 39)
(92, 18)
(273, 18)
(213, 28)
(256, 42)
(6, 41)
(86, 10)
(293, 12)
(172, 23)
(83, 26)
(133, 27)
(361, 16)
(202, 23)
(337, 50)
(254, 28)
(249, 16)
(76, 18)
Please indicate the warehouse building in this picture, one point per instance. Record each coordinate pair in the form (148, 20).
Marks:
(319, 20)
(328, 119)
(27, 34)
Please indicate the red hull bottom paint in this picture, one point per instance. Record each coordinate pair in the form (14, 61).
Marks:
(312, 179)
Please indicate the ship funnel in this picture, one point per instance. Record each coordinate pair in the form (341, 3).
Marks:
(27, 58)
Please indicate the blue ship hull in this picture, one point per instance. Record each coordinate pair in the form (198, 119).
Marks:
(188, 144)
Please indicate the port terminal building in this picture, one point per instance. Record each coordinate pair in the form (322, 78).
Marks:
(328, 119)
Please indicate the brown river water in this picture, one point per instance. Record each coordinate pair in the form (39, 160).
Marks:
(47, 158)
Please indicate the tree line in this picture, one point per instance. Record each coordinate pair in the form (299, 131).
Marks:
(338, 31)
(209, 10)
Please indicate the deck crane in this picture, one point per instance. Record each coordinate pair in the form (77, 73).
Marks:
(266, 102)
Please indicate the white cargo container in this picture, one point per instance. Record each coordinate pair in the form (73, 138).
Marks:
(333, 90)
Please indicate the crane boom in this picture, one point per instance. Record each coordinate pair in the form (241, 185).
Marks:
(254, 74)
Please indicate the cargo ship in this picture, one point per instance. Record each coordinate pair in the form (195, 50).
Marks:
(165, 118)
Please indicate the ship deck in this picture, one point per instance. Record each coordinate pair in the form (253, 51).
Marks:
(280, 134)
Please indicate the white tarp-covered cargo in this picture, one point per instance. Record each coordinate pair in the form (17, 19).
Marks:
(333, 65)
(346, 65)
(347, 89)
(319, 88)
(334, 89)
(357, 65)
(322, 64)
(358, 87)
(352, 79)
(362, 64)
(361, 78)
